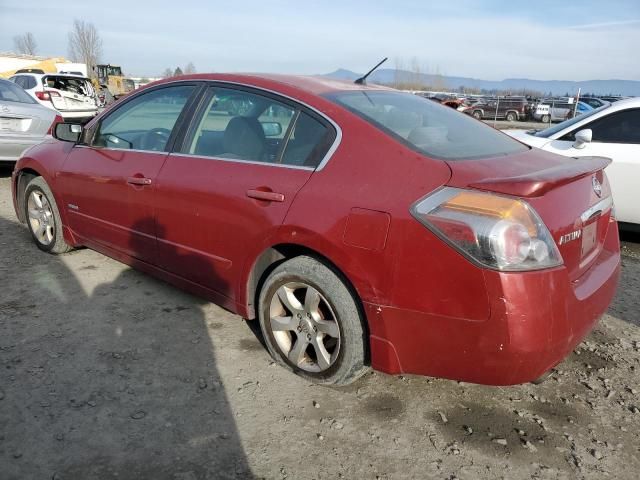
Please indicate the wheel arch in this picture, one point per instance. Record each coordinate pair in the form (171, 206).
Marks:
(23, 178)
(276, 254)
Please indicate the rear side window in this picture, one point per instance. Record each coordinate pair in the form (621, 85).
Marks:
(435, 130)
(246, 126)
(309, 142)
(10, 92)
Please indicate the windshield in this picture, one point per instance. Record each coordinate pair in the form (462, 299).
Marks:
(547, 132)
(426, 126)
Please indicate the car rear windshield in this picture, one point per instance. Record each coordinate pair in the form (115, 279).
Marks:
(78, 85)
(10, 92)
(426, 126)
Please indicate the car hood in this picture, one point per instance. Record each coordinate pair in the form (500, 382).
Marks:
(525, 137)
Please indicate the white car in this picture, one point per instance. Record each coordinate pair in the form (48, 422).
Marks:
(71, 95)
(611, 131)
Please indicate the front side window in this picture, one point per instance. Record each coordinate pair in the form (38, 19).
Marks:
(242, 125)
(619, 127)
(435, 130)
(146, 121)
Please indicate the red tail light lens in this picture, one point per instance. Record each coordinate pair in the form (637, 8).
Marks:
(46, 95)
(496, 231)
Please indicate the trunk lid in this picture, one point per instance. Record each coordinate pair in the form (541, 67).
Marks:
(25, 119)
(571, 195)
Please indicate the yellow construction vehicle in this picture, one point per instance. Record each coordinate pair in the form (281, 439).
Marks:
(110, 76)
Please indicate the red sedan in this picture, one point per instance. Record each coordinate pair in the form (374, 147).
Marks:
(358, 224)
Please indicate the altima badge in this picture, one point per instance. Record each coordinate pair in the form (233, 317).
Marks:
(596, 186)
(576, 234)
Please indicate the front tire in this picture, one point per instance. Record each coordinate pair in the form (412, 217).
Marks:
(545, 119)
(311, 322)
(43, 217)
(511, 117)
(477, 115)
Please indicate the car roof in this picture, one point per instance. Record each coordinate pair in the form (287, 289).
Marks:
(50, 74)
(316, 85)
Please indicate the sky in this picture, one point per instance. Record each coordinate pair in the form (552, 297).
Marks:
(490, 40)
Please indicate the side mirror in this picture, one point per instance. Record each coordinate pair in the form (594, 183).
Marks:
(271, 129)
(582, 137)
(68, 132)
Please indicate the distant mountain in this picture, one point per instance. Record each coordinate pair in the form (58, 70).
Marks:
(555, 87)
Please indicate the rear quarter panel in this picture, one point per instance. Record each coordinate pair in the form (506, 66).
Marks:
(414, 269)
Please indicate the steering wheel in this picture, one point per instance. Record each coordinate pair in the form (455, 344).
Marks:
(155, 139)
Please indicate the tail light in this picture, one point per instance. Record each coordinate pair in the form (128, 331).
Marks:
(46, 95)
(496, 231)
(56, 120)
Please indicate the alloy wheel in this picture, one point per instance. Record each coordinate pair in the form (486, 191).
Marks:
(304, 326)
(41, 217)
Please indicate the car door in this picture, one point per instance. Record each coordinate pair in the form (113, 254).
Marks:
(109, 184)
(616, 136)
(228, 188)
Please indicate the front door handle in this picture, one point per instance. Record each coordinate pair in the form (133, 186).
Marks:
(265, 196)
(139, 181)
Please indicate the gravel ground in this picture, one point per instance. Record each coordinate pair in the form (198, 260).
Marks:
(107, 373)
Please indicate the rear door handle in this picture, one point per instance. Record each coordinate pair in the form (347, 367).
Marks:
(139, 181)
(266, 196)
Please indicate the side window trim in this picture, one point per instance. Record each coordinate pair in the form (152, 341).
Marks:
(332, 127)
(90, 136)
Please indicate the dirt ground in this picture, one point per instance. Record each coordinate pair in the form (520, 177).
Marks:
(106, 373)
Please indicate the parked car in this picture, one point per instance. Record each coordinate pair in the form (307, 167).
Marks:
(507, 108)
(23, 122)
(558, 111)
(359, 225)
(71, 95)
(594, 102)
(613, 98)
(611, 131)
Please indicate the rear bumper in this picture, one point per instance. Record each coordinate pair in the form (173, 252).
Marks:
(536, 320)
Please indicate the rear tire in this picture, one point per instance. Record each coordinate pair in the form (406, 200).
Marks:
(545, 119)
(311, 322)
(511, 117)
(43, 217)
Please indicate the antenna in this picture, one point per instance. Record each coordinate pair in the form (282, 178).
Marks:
(363, 79)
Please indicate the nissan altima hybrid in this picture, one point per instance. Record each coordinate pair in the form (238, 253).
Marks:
(360, 226)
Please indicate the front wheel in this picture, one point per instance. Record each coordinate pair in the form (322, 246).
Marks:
(545, 119)
(477, 115)
(511, 117)
(43, 217)
(311, 322)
